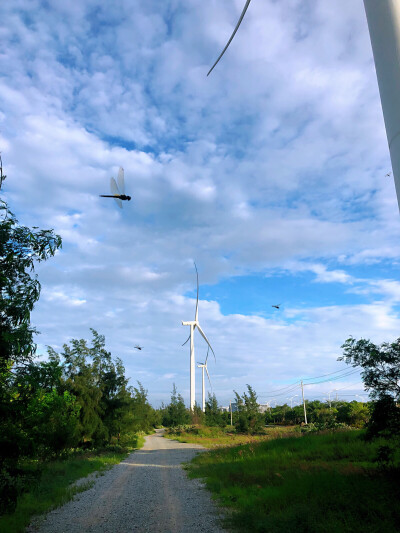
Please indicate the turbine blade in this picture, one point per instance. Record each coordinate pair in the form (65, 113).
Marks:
(186, 341)
(208, 351)
(196, 316)
(232, 36)
(208, 375)
(207, 341)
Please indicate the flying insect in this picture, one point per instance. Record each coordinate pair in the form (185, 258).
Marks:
(276, 306)
(117, 191)
(138, 347)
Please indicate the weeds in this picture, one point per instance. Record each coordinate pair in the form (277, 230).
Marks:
(55, 481)
(319, 482)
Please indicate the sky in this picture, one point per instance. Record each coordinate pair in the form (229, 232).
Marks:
(270, 174)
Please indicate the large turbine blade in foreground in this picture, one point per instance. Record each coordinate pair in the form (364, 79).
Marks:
(232, 36)
(383, 18)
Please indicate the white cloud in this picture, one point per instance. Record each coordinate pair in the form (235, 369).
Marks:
(275, 162)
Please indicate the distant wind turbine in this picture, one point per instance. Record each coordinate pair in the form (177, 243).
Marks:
(193, 325)
(203, 367)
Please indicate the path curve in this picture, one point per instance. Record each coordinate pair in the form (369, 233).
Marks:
(147, 492)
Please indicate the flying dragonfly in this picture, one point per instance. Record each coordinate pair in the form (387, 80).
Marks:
(117, 191)
(138, 347)
(276, 306)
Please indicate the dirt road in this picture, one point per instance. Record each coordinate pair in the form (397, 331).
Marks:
(147, 492)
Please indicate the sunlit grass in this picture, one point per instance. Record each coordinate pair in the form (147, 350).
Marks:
(315, 483)
(212, 437)
(55, 485)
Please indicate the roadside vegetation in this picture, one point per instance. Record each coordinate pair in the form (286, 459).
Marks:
(75, 413)
(53, 483)
(333, 478)
(319, 482)
(213, 437)
(60, 418)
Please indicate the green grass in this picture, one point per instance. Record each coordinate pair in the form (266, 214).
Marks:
(316, 483)
(212, 437)
(53, 487)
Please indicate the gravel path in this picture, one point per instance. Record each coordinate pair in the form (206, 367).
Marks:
(148, 492)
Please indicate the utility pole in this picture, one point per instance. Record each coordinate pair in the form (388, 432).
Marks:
(383, 17)
(304, 403)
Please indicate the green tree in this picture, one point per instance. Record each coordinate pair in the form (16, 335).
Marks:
(213, 415)
(249, 419)
(20, 249)
(143, 415)
(380, 364)
(99, 384)
(176, 413)
(381, 376)
(197, 415)
(353, 413)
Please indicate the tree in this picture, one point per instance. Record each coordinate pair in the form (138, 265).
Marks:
(381, 376)
(176, 413)
(213, 415)
(380, 364)
(353, 413)
(143, 414)
(20, 248)
(249, 419)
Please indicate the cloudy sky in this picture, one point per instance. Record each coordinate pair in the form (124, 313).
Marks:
(270, 174)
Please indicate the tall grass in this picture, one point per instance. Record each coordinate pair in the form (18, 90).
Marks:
(316, 483)
(55, 486)
(212, 437)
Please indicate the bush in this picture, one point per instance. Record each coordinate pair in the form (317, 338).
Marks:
(385, 419)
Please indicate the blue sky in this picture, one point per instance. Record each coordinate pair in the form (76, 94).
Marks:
(270, 174)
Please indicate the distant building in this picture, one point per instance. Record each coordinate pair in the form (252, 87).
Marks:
(228, 410)
(263, 407)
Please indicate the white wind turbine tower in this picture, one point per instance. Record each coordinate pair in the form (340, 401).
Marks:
(203, 367)
(193, 325)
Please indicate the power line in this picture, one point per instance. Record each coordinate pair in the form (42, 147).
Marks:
(330, 374)
(345, 372)
(350, 373)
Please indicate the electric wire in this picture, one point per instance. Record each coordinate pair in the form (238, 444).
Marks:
(344, 371)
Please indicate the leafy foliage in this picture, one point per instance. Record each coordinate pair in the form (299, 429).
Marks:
(249, 419)
(175, 414)
(380, 364)
(20, 248)
(381, 376)
(213, 415)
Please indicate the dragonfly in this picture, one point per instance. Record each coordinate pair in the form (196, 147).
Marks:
(276, 306)
(117, 191)
(139, 347)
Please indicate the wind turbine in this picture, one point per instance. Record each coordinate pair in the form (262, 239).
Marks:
(203, 367)
(383, 18)
(193, 325)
